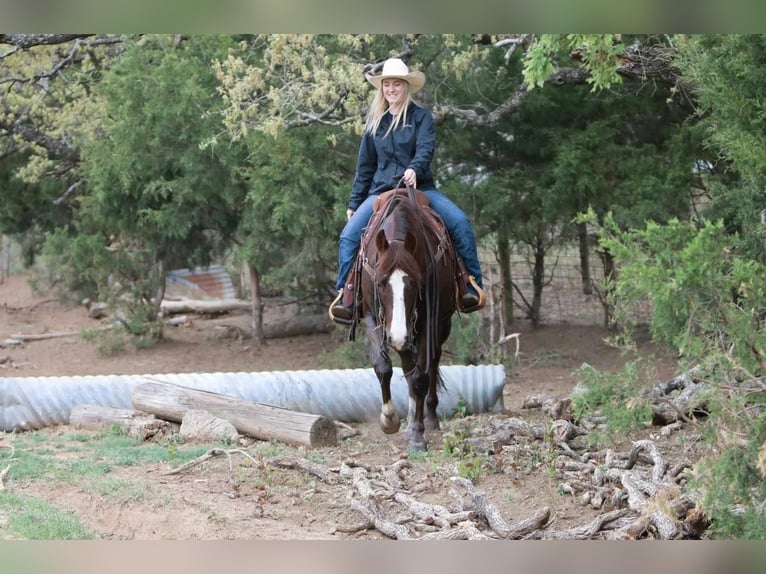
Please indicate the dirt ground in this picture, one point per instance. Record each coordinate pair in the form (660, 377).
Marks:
(241, 498)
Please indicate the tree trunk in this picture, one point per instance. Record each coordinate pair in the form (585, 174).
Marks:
(264, 422)
(610, 276)
(538, 282)
(587, 280)
(256, 324)
(506, 277)
(161, 284)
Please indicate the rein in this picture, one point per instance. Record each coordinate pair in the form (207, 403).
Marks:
(431, 287)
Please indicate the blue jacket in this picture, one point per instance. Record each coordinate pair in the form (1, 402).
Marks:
(382, 160)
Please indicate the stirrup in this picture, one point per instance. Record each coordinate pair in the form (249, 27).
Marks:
(337, 305)
(481, 296)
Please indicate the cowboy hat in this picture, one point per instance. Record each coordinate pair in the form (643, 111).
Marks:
(394, 68)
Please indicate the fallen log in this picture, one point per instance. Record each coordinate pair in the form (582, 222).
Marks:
(676, 399)
(289, 327)
(312, 468)
(298, 325)
(203, 306)
(264, 422)
(54, 335)
(139, 424)
(493, 517)
(98, 416)
(584, 532)
(212, 453)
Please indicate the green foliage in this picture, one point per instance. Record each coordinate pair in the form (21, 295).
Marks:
(708, 302)
(729, 484)
(615, 396)
(152, 185)
(460, 410)
(112, 342)
(625, 162)
(121, 491)
(470, 464)
(28, 210)
(705, 298)
(725, 71)
(155, 199)
(599, 54)
(294, 209)
(346, 354)
(464, 342)
(732, 493)
(526, 177)
(80, 264)
(127, 281)
(471, 467)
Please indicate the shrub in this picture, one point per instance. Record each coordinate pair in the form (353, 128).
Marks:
(709, 303)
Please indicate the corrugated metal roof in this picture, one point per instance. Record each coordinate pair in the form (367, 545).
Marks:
(214, 281)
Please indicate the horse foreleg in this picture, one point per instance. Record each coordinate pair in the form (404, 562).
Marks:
(389, 418)
(381, 363)
(417, 381)
(431, 420)
(434, 377)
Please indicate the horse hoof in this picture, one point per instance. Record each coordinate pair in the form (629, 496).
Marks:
(431, 423)
(418, 446)
(390, 424)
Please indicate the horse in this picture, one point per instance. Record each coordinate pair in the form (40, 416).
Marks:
(408, 297)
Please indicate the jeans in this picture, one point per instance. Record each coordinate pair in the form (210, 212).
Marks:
(455, 220)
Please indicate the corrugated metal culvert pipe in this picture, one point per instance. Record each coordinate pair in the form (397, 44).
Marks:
(353, 395)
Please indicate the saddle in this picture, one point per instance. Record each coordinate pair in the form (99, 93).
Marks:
(380, 209)
(351, 296)
(462, 278)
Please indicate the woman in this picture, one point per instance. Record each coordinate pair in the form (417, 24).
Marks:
(398, 145)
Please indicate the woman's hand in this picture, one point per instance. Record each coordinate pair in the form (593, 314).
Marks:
(410, 179)
(349, 213)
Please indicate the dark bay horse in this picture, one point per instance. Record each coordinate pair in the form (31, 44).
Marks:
(408, 299)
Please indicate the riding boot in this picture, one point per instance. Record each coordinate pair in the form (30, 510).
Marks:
(343, 306)
(470, 295)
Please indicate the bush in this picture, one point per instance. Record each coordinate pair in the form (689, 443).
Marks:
(127, 280)
(709, 303)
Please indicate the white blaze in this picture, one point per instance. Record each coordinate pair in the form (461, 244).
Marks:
(397, 331)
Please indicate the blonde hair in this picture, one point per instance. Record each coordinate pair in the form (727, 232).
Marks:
(379, 107)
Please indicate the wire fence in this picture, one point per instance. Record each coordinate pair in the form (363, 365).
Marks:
(10, 257)
(564, 300)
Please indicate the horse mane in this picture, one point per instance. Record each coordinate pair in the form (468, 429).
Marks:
(403, 219)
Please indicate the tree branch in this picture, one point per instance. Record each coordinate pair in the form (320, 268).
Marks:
(641, 63)
(25, 41)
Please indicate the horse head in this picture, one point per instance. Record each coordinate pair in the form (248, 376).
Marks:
(398, 280)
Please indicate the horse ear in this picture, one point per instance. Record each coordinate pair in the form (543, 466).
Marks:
(410, 242)
(380, 241)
